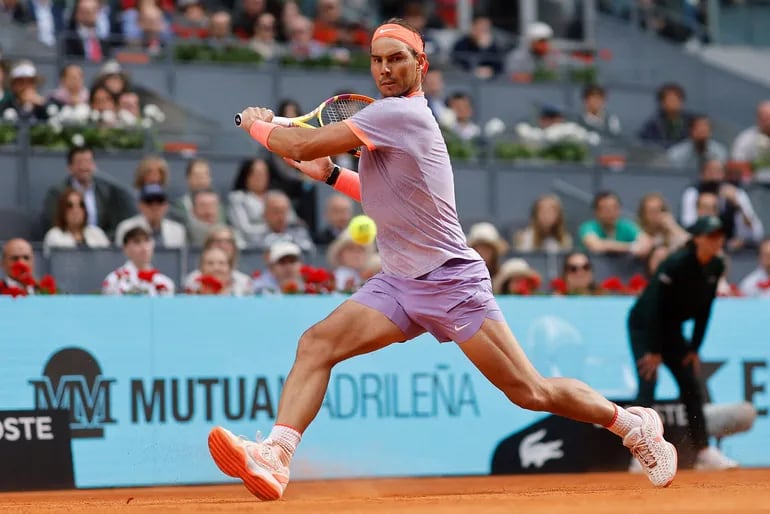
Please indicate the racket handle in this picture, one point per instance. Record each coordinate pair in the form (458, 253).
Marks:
(278, 120)
(284, 122)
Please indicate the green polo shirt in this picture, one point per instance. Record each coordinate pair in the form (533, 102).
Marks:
(682, 289)
(626, 231)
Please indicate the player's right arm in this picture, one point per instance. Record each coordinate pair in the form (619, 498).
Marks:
(297, 143)
(308, 150)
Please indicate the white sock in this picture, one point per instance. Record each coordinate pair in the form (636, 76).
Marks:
(623, 422)
(286, 438)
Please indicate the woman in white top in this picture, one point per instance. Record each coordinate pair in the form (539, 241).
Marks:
(70, 229)
(246, 204)
(547, 230)
(223, 238)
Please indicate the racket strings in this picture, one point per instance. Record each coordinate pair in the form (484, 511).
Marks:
(341, 110)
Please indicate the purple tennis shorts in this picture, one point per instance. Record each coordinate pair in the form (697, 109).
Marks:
(451, 302)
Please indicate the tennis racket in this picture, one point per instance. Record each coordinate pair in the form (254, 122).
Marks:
(332, 110)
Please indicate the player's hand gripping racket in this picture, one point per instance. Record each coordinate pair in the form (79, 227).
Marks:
(332, 110)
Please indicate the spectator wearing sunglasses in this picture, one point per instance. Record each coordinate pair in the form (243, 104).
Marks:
(153, 207)
(108, 203)
(578, 275)
(71, 229)
(15, 251)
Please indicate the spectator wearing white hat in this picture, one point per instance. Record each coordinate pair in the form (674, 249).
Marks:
(348, 260)
(516, 277)
(534, 55)
(113, 77)
(24, 101)
(485, 239)
(283, 273)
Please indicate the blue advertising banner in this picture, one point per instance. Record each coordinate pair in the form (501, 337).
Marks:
(145, 379)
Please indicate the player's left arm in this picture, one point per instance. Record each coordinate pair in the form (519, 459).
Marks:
(300, 144)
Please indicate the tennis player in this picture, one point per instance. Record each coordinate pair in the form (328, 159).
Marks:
(431, 281)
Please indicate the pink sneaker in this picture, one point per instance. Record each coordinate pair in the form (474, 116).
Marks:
(657, 456)
(257, 464)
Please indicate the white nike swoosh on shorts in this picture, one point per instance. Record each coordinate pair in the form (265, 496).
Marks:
(457, 329)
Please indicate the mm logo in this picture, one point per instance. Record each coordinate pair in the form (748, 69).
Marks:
(72, 380)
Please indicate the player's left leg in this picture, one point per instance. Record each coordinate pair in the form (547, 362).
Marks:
(497, 354)
(351, 329)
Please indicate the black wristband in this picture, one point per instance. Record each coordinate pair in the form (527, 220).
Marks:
(334, 175)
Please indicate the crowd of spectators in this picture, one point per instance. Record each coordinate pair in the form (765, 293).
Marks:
(648, 239)
(268, 205)
(90, 210)
(335, 31)
(269, 208)
(109, 102)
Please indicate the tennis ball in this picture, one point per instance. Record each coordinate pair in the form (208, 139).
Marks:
(362, 229)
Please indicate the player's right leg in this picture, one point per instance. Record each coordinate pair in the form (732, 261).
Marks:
(351, 329)
(496, 353)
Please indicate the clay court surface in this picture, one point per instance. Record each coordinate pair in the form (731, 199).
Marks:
(735, 492)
